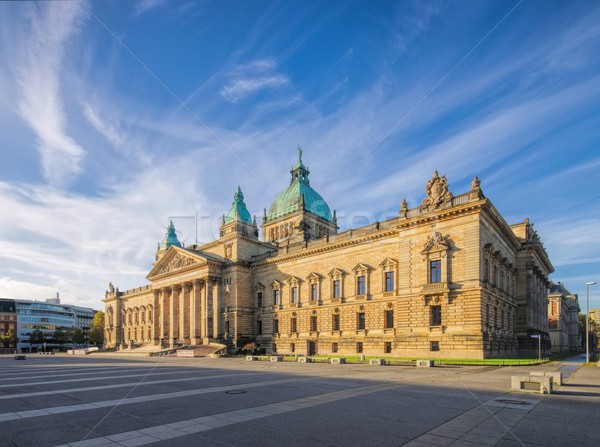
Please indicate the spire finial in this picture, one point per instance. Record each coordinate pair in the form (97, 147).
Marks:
(299, 154)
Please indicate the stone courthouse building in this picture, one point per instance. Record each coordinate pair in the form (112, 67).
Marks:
(447, 278)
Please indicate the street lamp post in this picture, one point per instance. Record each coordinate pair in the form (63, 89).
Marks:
(587, 319)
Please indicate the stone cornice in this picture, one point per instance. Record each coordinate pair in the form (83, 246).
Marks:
(326, 248)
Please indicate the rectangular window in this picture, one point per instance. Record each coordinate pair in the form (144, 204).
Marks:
(259, 327)
(359, 347)
(336, 288)
(294, 295)
(259, 299)
(436, 315)
(435, 271)
(293, 325)
(434, 346)
(389, 281)
(276, 297)
(274, 347)
(361, 285)
(389, 319)
(275, 326)
(292, 347)
(486, 273)
(314, 292)
(313, 323)
(335, 322)
(387, 347)
(334, 347)
(360, 320)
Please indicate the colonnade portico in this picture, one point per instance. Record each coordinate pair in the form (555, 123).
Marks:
(189, 312)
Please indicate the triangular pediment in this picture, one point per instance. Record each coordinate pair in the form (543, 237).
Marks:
(293, 280)
(176, 259)
(361, 268)
(436, 243)
(314, 276)
(336, 272)
(387, 262)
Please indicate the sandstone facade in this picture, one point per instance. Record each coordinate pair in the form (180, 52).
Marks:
(448, 278)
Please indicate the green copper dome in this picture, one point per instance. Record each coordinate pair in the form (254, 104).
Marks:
(170, 238)
(290, 200)
(238, 208)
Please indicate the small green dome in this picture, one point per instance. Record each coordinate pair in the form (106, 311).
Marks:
(290, 200)
(238, 210)
(170, 238)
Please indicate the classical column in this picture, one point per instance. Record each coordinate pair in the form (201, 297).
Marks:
(207, 297)
(194, 311)
(216, 310)
(155, 317)
(184, 330)
(164, 322)
(172, 315)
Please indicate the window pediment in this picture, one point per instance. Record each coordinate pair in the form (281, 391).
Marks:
(436, 243)
(360, 268)
(388, 262)
(259, 287)
(276, 284)
(313, 277)
(293, 280)
(336, 272)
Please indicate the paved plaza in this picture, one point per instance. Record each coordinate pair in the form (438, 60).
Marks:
(104, 400)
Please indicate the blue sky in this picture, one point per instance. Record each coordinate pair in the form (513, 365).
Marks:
(116, 115)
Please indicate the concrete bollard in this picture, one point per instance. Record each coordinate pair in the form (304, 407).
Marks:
(531, 384)
(425, 363)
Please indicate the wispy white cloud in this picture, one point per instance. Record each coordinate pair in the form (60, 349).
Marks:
(40, 105)
(253, 77)
(119, 139)
(241, 88)
(144, 6)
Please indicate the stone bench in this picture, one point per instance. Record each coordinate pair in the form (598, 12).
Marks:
(20, 357)
(425, 363)
(251, 358)
(276, 358)
(532, 384)
(556, 376)
(377, 362)
(304, 360)
(337, 360)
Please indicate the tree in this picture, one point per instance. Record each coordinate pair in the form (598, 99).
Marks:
(59, 336)
(36, 337)
(97, 336)
(75, 335)
(98, 320)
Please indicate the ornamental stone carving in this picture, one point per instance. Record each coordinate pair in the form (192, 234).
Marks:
(178, 262)
(436, 243)
(437, 191)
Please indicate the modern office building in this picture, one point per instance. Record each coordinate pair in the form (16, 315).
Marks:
(48, 316)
